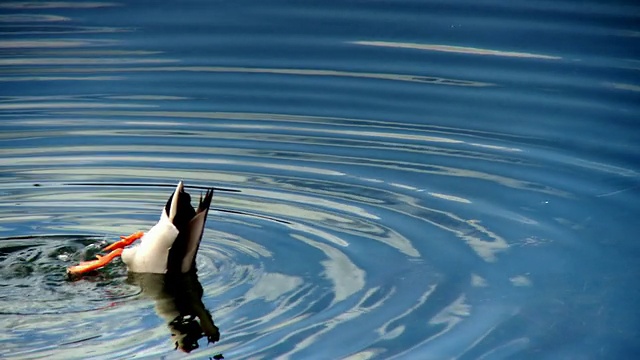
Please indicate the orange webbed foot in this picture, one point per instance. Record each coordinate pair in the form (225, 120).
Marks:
(124, 241)
(87, 266)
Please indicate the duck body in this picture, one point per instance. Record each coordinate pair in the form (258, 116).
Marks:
(169, 247)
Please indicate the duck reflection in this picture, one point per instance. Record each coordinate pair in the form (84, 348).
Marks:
(178, 300)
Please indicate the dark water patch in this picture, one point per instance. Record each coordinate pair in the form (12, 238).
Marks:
(32, 273)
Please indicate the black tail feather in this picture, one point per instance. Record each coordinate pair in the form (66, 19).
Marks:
(181, 246)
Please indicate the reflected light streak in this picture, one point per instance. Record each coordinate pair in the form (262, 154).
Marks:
(311, 201)
(366, 354)
(520, 280)
(69, 105)
(62, 78)
(622, 86)
(384, 330)
(451, 315)
(271, 286)
(61, 160)
(347, 278)
(29, 5)
(313, 119)
(467, 230)
(32, 18)
(478, 281)
(148, 97)
(13, 44)
(59, 29)
(455, 49)
(301, 72)
(80, 61)
(450, 198)
(335, 122)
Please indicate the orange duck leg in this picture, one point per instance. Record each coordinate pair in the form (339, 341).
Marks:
(117, 247)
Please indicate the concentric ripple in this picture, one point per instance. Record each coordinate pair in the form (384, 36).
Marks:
(408, 181)
(306, 250)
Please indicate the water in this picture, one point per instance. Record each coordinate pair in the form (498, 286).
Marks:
(415, 179)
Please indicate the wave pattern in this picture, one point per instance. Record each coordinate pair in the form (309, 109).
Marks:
(409, 180)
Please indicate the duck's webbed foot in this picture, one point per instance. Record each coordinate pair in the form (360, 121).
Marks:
(124, 241)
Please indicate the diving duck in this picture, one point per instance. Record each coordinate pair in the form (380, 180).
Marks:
(169, 247)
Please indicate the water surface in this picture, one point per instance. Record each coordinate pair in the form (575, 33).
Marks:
(412, 179)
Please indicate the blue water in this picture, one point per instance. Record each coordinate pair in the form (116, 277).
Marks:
(411, 179)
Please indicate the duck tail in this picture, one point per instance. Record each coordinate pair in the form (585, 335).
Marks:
(196, 229)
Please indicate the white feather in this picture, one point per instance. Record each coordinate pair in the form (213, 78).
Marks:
(174, 202)
(152, 253)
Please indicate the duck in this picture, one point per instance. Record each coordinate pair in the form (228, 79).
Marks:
(169, 247)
